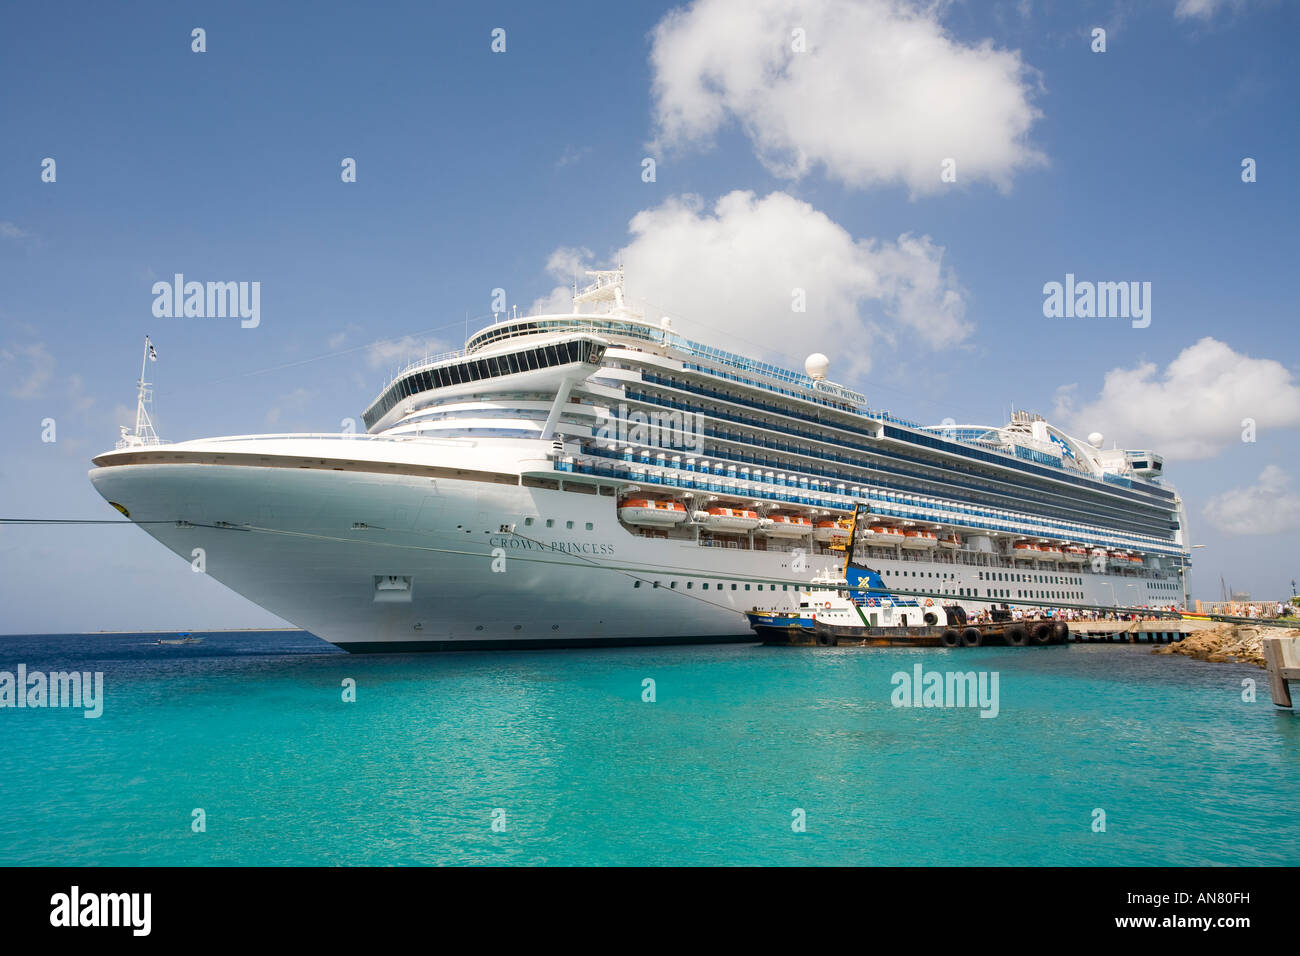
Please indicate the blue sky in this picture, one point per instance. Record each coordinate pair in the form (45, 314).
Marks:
(476, 169)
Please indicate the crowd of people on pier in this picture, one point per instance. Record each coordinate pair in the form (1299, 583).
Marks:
(1257, 610)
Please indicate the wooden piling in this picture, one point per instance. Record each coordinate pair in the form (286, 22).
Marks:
(1282, 658)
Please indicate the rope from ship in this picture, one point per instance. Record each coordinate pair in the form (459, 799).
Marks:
(1155, 613)
(386, 544)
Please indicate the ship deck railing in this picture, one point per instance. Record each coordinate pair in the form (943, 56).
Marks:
(641, 472)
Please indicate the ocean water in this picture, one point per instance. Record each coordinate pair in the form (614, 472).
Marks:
(579, 769)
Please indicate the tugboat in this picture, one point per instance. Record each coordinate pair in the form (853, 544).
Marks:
(856, 608)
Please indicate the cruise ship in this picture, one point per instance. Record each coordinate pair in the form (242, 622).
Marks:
(597, 479)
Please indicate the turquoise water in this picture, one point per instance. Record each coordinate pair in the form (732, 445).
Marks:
(252, 728)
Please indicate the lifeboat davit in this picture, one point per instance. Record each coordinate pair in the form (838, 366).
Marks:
(920, 539)
(882, 534)
(728, 519)
(787, 526)
(652, 511)
(830, 532)
(950, 541)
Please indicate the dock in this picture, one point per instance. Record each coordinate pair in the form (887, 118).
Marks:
(1132, 632)
(1150, 631)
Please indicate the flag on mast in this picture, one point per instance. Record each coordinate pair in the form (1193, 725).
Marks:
(153, 356)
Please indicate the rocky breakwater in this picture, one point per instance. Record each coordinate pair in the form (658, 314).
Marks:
(1236, 643)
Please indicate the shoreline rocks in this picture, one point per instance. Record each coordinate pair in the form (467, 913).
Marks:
(1226, 643)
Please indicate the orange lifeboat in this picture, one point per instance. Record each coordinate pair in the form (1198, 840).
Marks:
(830, 532)
(952, 541)
(652, 511)
(920, 539)
(1075, 555)
(728, 519)
(787, 526)
(883, 534)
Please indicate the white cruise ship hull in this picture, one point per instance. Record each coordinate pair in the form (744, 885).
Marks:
(555, 586)
(380, 555)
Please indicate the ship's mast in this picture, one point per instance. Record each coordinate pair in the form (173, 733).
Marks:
(145, 433)
(606, 289)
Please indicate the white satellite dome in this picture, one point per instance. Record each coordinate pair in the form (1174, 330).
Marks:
(817, 365)
(1095, 439)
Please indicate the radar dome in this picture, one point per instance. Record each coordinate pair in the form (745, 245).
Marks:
(1095, 439)
(817, 365)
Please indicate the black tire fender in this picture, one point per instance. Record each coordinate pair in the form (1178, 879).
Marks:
(950, 637)
(1017, 635)
(972, 637)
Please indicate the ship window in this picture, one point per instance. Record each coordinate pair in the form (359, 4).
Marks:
(673, 585)
(689, 585)
(550, 522)
(636, 584)
(705, 585)
(590, 526)
(733, 587)
(568, 524)
(528, 521)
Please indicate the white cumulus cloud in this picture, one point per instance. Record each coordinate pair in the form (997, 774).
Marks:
(882, 94)
(1194, 408)
(1267, 507)
(734, 273)
(1201, 9)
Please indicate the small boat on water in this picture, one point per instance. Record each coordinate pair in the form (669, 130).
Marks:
(184, 638)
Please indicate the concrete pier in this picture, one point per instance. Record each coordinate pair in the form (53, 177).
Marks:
(1165, 631)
